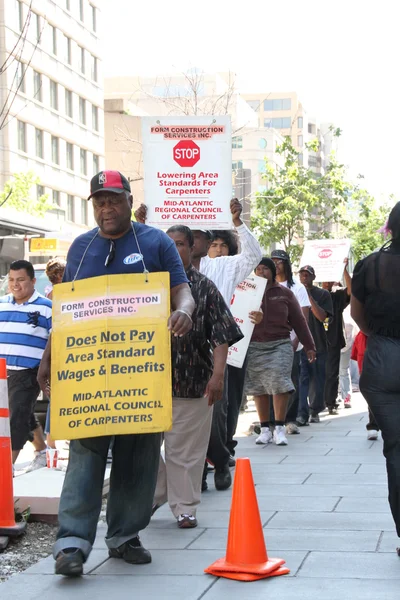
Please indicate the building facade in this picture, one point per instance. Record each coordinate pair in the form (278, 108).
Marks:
(52, 91)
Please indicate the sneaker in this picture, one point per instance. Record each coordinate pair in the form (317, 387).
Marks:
(279, 436)
(38, 462)
(315, 419)
(333, 411)
(265, 437)
(347, 401)
(69, 562)
(372, 434)
(232, 461)
(222, 478)
(292, 428)
(302, 422)
(187, 521)
(131, 552)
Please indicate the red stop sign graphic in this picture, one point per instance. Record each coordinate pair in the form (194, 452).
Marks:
(326, 253)
(186, 153)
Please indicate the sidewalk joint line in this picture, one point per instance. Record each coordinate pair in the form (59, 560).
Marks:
(208, 588)
(97, 566)
(271, 517)
(358, 468)
(308, 477)
(195, 539)
(302, 563)
(348, 433)
(329, 451)
(283, 459)
(337, 503)
(379, 542)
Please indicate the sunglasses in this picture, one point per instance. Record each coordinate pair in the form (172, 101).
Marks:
(111, 254)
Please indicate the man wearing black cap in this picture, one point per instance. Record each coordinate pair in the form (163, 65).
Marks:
(116, 246)
(284, 276)
(312, 375)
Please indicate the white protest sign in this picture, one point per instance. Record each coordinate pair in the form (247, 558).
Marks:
(247, 297)
(327, 258)
(188, 171)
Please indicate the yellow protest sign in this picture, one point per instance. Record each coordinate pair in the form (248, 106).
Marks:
(111, 356)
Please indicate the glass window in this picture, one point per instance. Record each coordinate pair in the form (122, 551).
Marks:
(300, 140)
(84, 211)
(237, 165)
(94, 17)
(82, 60)
(300, 159)
(300, 122)
(254, 104)
(20, 77)
(93, 68)
(95, 118)
(21, 20)
(21, 136)
(83, 160)
(39, 191)
(68, 4)
(36, 27)
(261, 166)
(81, 12)
(37, 86)
(53, 33)
(39, 142)
(56, 197)
(68, 103)
(278, 104)
(278, 123)
(53, 94)
(55, 149)
(82, 110)
(67, 50)
(96, 164)
(70, 156)
(70, 208)
(237, 142)
(262, 143)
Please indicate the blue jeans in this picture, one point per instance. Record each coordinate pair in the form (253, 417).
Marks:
(132, 484)
(312, 384)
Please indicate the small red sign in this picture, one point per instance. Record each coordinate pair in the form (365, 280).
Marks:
(325, 253)
(186, 153)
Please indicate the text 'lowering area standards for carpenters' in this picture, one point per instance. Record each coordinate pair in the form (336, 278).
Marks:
(111, 357)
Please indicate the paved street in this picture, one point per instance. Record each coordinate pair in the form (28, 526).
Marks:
(323, 503)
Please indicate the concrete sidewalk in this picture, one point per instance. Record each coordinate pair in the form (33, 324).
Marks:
(324, 509)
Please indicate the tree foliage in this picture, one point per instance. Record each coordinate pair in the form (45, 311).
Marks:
(366, 219)
(18, 194)
(297, 201)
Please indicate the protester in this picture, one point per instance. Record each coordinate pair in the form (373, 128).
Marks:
(226, 272)
(284, 276)
(336, 341)
(55, 272)
(375, 307)
(103, 251)
(350, 332)
(25, 325)
(223, 243)
(198, 363)
(312, 374)
(358, 352)
(270, 355)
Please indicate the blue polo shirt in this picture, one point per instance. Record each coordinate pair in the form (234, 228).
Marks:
(157, 249)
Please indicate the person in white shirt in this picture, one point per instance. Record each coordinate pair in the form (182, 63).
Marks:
(284, 276)
(226, 272)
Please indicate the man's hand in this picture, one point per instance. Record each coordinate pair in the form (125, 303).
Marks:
(179, 323)
(141, 214)
(295, 343)
(311, 356)
(215, 388)
(236, 210)
(43, 376)
(256, 316)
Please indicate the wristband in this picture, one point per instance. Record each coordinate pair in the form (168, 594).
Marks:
(185, 313)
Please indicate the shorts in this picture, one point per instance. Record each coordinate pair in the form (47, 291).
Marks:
(269, 368)
(23, 391)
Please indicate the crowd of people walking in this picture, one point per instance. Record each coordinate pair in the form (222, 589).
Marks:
(298, 364)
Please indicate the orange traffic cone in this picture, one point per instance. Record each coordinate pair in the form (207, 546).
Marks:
(246, 555)
(8, 526)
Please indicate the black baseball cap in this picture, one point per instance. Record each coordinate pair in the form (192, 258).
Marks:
(309, 269)
(206, 232)
(109, 181)
(280, 254)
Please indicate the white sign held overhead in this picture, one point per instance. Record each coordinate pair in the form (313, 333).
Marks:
(188, 171)
(327, 258)
(247, 297)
